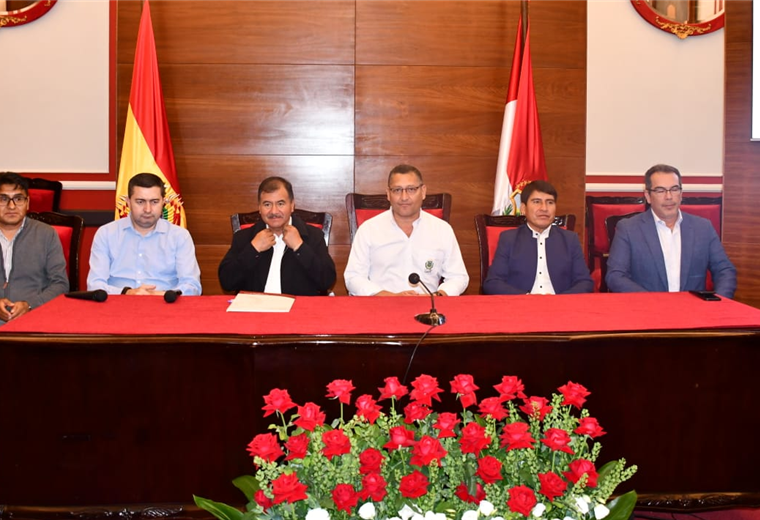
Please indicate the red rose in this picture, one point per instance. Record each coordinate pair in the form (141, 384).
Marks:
(464, 386)
(277, 401)
(580, 467)
(392, 388)
(446, 422)
(265, 445)
(367, 407)
(340, 389)
(590, 426)
(509, 388)
(516, 436)
(492, 406)
(574, 393)
(489, 469)
(536, 406)
(521, 500)
(373, 487)
(415, 411)
(557, 439)
(261, 499)
(371, 460)
(310, 417)
(426, 451)
(286, 487)
(345, 497)
(400, 438)
(552, 485)
(297, 446)
(336, 443)
(414, 485)
(464, 493)
(426, 388)
(474, 438)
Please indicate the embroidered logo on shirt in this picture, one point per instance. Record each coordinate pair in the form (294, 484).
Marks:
(429, 266)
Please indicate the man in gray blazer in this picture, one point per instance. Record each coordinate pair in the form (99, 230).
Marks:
(664, 249)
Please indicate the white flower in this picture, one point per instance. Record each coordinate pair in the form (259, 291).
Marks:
(418, 516)
(485, 508)
(434, 516)
(538, 510)
(600, 511)
(569, 518)
(498, 518)
(367, 511)
(470, 515)
(317, 514)
(406, 512)
(581, 504)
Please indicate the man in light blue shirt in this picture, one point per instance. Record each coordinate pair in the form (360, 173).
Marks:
(144, 254)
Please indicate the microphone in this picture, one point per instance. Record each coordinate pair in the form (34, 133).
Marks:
(171, 296)
(93, 296)
(432, 317)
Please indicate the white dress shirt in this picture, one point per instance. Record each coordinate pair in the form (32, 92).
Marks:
(274, 278)
(543, 283)
(670, 243)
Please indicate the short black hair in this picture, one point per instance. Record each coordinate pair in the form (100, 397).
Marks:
(15, 180)
(272, 184)
(542, 186)
(145, 180)
(403, 169)
(660, 168)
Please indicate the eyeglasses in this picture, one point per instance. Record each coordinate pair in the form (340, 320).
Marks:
(410, 190)
(675, 190)
(17, 200)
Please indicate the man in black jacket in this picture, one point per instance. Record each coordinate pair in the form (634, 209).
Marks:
(280, 253)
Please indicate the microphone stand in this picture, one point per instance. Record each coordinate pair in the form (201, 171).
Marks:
(432, 317)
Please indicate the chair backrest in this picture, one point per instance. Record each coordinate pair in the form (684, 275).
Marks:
(69, 229)
(597, 211)
(44, 195)
(319, 220)
(489, 227)
(361, 207)
(610, 224)
(710, 208)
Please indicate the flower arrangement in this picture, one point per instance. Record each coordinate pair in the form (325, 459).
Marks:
(507, 461)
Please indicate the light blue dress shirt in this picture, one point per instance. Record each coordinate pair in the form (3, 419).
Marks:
(122, 257)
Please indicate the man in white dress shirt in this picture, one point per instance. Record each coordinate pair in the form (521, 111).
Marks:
(403, 240)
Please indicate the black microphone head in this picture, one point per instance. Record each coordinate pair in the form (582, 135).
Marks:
(414, 278)
(171, 296)
(100, 295)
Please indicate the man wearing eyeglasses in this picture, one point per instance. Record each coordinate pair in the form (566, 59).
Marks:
(33, 266)
(144, 254)
(403, 240)
(665, 250)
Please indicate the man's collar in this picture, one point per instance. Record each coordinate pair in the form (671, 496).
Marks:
(544, 233)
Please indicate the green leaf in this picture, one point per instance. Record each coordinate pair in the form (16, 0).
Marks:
(622, 507)
(219, 510)
(607, 468)
(248, 485)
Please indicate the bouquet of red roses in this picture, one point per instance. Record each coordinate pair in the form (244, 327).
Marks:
(509, 456)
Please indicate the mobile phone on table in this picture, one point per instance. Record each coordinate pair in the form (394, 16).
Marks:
(708, 296)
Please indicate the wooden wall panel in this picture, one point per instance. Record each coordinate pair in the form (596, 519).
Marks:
(741, 178)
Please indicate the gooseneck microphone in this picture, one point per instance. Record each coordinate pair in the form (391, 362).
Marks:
(171, 296)
(432, 317)
(94, 296)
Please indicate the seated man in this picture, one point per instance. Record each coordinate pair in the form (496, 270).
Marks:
(537, 257)
(33, 267)
(402, 240)
(144, 254)
(280, 253)
(665, 250)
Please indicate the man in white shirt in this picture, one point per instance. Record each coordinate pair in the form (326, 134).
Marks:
(664, 249)
(403, 240)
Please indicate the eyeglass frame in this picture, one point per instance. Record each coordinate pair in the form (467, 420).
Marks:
(409, 190)
(18, 200)
(675, 190)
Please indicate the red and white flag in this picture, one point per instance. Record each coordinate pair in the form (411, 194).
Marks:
(521, 151)
(147, 145)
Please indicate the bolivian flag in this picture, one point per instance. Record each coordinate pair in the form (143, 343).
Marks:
(147, 146)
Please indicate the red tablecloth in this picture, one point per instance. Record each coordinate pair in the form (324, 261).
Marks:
(388, 316)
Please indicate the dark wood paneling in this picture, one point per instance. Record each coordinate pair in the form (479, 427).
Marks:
(741, 221)
(243, 32)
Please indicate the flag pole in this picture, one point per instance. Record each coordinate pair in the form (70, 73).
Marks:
(524, 14)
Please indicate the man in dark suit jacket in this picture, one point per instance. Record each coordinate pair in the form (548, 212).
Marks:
(280, 253)
(538, 258)
(664, 249)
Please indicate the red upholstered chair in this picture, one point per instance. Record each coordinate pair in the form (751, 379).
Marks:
(597, 240)
(322, 221)
(710, 208)
(363, 207)
(69, 229)
(489, 227)
(44, 195)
